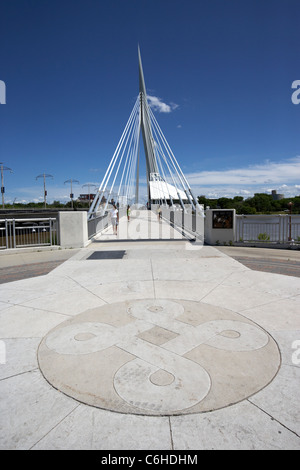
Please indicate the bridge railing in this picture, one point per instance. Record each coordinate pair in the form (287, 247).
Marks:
(20, 233)
(188, 222)
(97, 224)
(268, 228)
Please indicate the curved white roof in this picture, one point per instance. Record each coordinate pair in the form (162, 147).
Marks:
(163, 190)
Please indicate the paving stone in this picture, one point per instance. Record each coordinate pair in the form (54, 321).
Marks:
(134, 324)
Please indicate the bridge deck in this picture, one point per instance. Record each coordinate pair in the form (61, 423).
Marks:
(144, 225)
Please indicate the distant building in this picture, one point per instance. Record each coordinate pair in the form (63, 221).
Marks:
(276, 196)
(86, 197)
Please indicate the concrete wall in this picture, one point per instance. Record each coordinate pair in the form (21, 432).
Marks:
(215, 217)
(73, 232)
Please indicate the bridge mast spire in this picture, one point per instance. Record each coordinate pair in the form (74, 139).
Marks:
(145, 124)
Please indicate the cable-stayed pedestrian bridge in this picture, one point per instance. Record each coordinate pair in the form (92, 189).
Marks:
(166, 184)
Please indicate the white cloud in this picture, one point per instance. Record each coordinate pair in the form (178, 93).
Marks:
(283, 176)
(158, 105)
(35, 194)
(258, 178)
(174, 105)
(232, 191)
(278, 173)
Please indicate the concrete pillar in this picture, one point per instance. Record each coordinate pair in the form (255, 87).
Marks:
(73, 232)
(219, 226)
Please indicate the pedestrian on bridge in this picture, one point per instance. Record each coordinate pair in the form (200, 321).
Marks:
(114, 214)
(159, 213)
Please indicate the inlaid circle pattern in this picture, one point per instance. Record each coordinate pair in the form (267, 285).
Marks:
(159, 357)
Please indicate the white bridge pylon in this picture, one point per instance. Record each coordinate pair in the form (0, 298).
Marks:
(166, 183)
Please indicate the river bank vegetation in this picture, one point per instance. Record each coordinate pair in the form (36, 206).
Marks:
(260, 203)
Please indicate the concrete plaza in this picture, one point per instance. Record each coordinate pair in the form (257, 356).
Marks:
(138, 343)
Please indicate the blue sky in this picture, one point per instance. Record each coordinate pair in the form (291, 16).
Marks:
(220, 72)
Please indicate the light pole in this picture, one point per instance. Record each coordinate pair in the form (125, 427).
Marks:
(3, 168)
(44, 175)
(71, 195)
(290, 204)
(89, 185)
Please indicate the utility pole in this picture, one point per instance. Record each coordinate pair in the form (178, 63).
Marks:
(89, 185)
(3, 168)
(71, 195)
(290, 204)
(44, 176)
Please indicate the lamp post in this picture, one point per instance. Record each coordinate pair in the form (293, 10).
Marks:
(89, 185)
(44, 176)
(290, 204)
(3, 168)
(71, 194)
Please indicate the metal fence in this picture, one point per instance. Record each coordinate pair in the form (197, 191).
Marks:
(20, 233)
(268, 228)
(97, 224)
(189, 222)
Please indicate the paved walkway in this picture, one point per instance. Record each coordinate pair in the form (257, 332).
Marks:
(153, 345)
(272, 260)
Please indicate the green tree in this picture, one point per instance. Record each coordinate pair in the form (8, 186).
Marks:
(248, 210)
(262, 202)
(225, 203)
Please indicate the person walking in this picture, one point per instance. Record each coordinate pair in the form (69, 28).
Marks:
(128, 213)
(114, 215)
(159, 213)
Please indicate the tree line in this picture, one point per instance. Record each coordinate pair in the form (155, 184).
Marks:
(53, 205)
(260, 203)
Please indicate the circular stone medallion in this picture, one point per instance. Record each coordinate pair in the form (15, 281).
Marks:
(159, 357)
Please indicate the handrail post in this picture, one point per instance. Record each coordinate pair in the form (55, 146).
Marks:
(14, 233)
(50, 231)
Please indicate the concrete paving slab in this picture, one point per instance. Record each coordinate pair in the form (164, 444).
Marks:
(189, 290)
(288, 345)
(239, 299)
(204, 283)
(101, 430)
(239, 427)
(73, 302)
(4, 306)
(90, 273)
(20, 356)
(25, 322)
(17, 291)
(281, 398)
(274, 284)
(198, 269)
(29, 409)
(123, 290)
(280, 315)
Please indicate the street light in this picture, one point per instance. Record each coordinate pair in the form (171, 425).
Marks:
(44, 176)
(89, 185)
(3, 168)
(290, 204)
(71, 195)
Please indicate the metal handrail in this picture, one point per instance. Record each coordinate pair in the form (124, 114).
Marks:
(28, 235)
